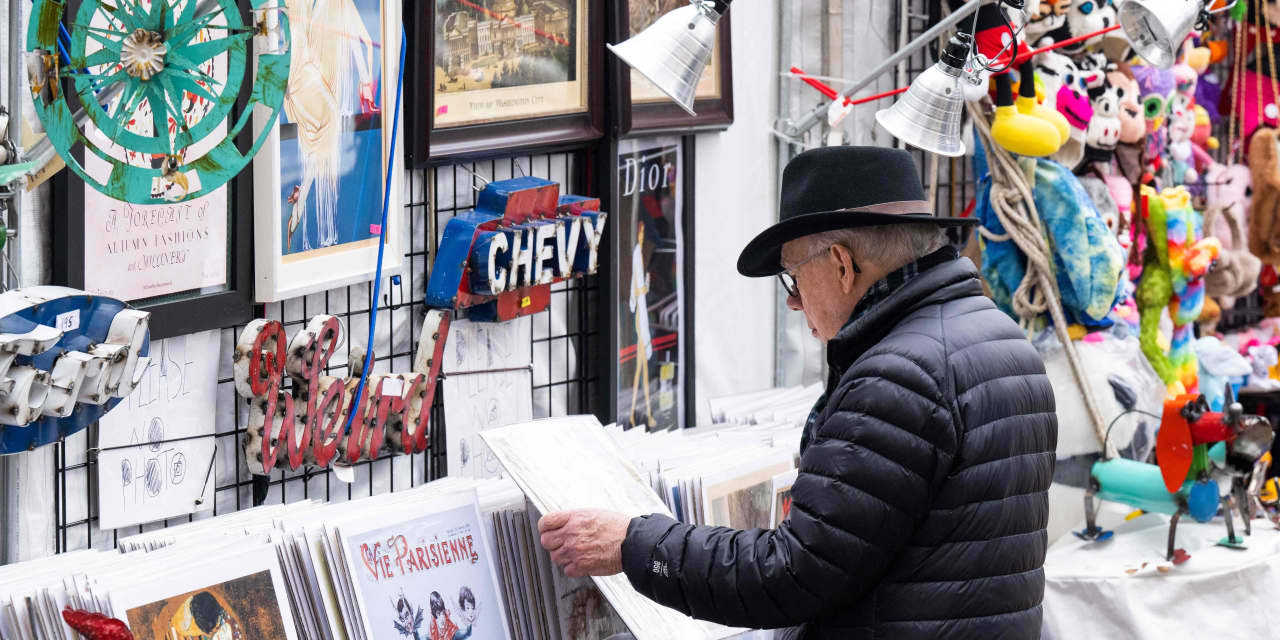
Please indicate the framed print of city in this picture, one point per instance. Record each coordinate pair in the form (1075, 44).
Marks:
(645, 109)
(504, 75)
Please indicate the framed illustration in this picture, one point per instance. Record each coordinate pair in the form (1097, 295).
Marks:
(505, 75)
(652, 287)
(188, 263)
(320, 176)
(642, 107)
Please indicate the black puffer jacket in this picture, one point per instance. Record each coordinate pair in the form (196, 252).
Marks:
(921, 503)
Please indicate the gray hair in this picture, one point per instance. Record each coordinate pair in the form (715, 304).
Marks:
(887, 246)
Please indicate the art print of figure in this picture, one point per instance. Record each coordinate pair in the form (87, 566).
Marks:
(650, 301)
(467, 613)
(408, 618)
(442, 625)
(331, 129)
(238, 609)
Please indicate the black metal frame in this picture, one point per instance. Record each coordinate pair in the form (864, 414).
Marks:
(578, 302)
(429, 146)
(657, 118)
(179, 313)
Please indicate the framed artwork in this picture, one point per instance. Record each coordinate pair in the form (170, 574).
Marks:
(320, 176)
(643, 108)
(653, 282)
(188, 263)
(505, 75)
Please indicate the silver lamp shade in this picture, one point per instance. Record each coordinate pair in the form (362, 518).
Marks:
(673, 51)
(928, 115)
(1157, 28)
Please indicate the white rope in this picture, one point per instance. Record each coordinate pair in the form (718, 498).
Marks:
(1014, 206)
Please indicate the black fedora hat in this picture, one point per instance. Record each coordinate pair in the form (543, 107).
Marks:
(839, 188)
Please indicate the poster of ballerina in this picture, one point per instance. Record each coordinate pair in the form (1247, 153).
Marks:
(649, 220)
(498, 60)
(429, 577)
(322, 177)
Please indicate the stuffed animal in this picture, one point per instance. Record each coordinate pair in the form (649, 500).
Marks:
(1103, 132)
(1133, 126)
(1182, 125)
(1156, 87)
(1202, 139)
(1173, 277)
(1084, 17)
(1065, 90)
(1086, 255)
(1236, 274)
(1264, 212)
(1044, 17)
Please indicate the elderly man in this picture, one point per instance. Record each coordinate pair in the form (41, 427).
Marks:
(920, 506)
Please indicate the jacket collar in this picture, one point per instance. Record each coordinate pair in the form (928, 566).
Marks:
(941, 277)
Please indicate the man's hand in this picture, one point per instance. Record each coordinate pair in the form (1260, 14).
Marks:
(586, 542)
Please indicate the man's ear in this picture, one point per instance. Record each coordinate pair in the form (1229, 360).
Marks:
(848, 275)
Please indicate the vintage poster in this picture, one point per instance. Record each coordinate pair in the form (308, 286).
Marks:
(153, 463)
(331, 156)
(650, 266)
(742, 497)
(426, 578)
(135, 252)
(236, 596)
(498, 60)
(320, 178)
(782, 497)
(643, 13)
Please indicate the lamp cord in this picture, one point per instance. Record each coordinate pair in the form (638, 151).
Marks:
(382, 242)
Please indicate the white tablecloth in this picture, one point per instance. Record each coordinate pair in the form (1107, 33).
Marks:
(1217, 593)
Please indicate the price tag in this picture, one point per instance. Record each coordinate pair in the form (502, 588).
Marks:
(392, 386)
(69, 321)
(525, 301)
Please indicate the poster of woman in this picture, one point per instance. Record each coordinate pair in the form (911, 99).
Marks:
(320, 181)
(651, 299)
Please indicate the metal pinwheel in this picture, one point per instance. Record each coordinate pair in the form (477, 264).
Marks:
(129, 61)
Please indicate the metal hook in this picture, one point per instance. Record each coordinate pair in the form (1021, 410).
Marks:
(474, 175)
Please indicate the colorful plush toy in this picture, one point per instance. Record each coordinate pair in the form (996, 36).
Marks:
(1103, 133)
(1156, 87)
(1065, 90)
(1133, 126)
(1082, 17)
(1173, 277)
(1264, 213)
(1086, 254)
(1182, 126)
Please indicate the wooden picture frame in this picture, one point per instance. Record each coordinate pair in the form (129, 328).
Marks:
(647, 112)
(333, 240)
(485, 130)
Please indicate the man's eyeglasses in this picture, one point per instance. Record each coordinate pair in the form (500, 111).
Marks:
(788, 276)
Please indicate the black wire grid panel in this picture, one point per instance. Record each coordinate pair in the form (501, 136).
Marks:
(562, 339)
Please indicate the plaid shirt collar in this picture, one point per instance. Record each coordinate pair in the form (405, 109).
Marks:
(894, 281)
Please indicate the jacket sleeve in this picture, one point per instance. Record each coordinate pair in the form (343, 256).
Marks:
(865, 483)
